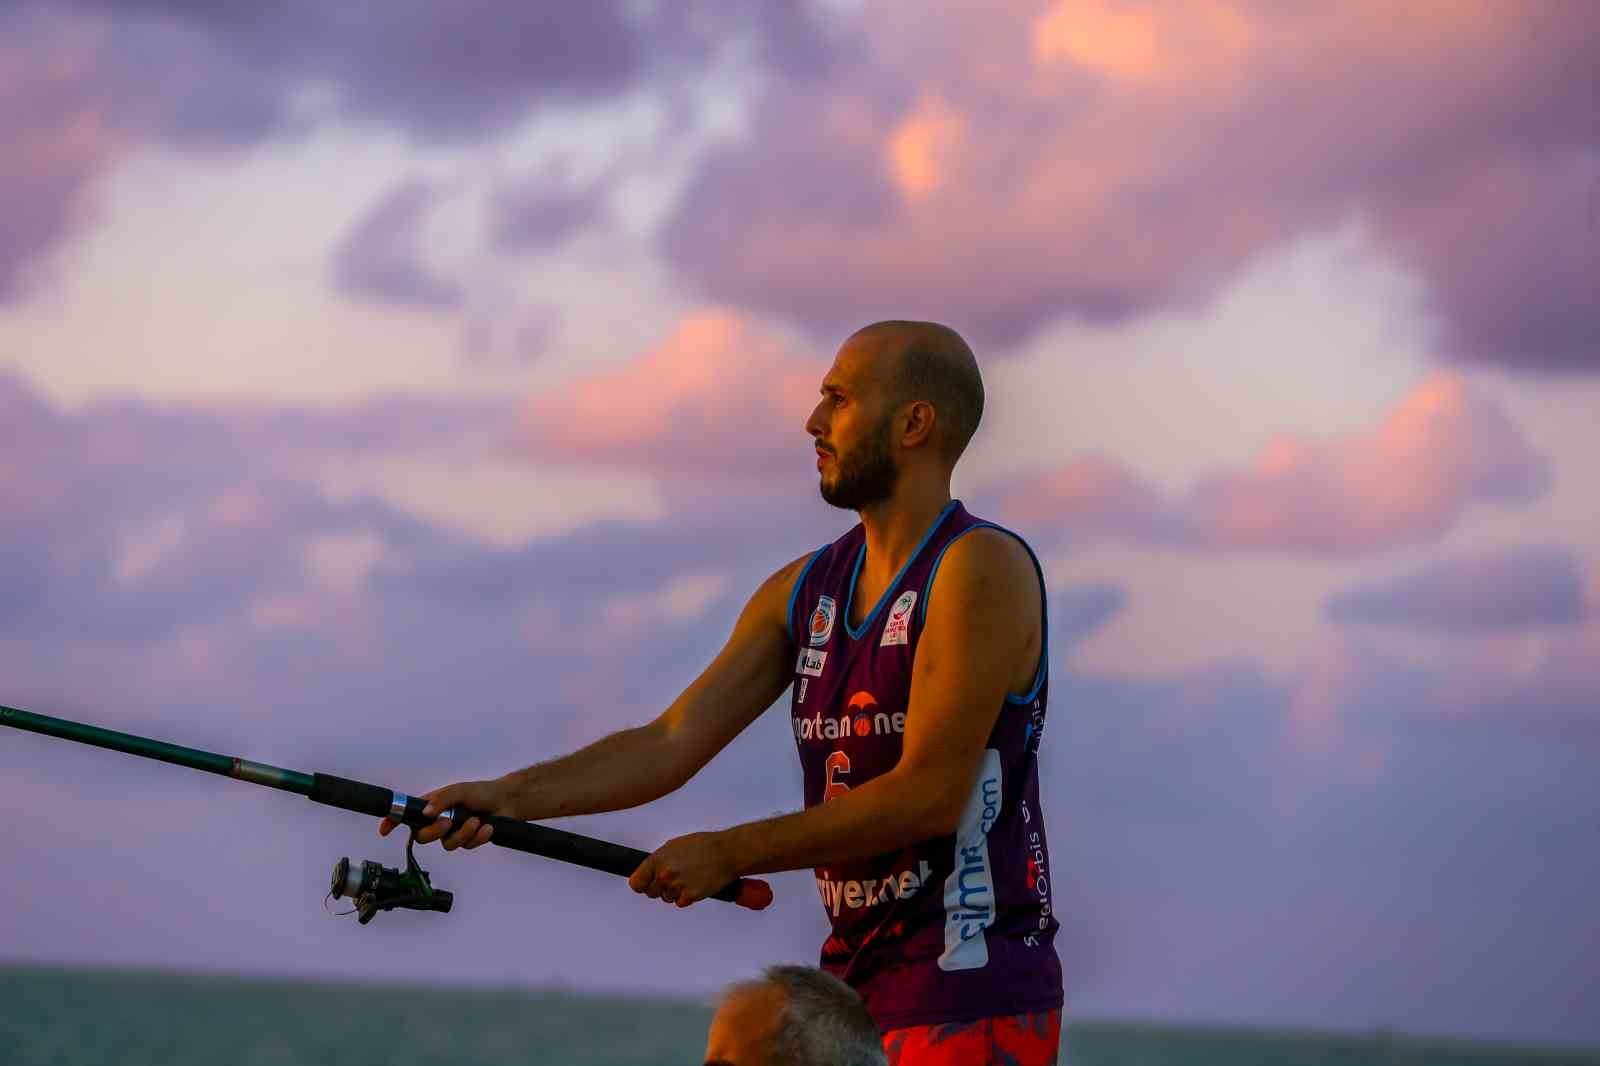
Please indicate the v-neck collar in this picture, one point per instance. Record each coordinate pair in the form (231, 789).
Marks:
(855, 633)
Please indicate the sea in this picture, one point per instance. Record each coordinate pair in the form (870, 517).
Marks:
(62, 1017)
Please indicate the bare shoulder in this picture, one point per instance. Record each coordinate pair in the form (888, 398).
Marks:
(986, 602)
(984, 617)
(772, 597)
(786, 574)
(990, 564)
(783, 578)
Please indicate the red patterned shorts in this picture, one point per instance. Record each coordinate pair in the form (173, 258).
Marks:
(1012, 1040)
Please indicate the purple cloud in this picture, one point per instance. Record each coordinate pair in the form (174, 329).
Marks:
(235, 430)
(1509, 590)
(59, 138)
(1512, 254)
(128, 522)
(451, 73)
(1078, 611)
(509, 336)
(1003, 169)
(543, 211)
(801, 40)
(381, 257)
(446, 74)
(85, 79)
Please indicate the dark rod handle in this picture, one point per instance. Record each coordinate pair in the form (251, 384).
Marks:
(518, 835)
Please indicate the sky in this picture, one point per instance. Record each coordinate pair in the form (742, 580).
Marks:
(417, 394)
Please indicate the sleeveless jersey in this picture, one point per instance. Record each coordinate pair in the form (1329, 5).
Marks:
(950, 929)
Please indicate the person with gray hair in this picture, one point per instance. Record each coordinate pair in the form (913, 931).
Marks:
(793, 1016)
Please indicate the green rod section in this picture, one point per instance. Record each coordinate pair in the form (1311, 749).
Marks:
(130, 744)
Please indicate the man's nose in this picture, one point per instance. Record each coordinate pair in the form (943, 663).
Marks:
(816, 425)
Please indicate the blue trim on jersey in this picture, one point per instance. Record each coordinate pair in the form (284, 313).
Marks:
(850, 594)
(794, 593)
(1044, 620)
(1044, 632)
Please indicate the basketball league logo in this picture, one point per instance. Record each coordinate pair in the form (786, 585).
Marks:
(822, 621)
(897, 630)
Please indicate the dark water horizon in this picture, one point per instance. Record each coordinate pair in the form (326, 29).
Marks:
(88, 1016)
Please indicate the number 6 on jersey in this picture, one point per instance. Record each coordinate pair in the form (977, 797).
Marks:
(838, 762)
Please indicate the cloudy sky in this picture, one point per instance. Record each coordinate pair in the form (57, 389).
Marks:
(413, 396)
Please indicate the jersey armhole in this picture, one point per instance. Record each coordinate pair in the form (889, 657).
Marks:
(1044, 611)
(794, 594)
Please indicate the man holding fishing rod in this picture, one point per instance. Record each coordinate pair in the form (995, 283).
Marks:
(915, 646)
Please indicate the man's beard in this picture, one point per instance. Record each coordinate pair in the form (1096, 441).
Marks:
(866, 476)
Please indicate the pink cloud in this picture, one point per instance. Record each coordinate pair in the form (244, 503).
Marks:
(1406, 481)
(719, 394)
(1094, 494)
(1003, 165)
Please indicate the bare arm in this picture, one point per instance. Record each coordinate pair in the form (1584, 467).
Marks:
(983, 617)
(635, 766)
(639, 765)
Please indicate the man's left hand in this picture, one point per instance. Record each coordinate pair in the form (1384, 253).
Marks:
(685, 869)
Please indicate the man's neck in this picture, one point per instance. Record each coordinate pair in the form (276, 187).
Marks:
(895, 526)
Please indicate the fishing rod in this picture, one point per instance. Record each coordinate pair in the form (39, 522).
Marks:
(372, 886)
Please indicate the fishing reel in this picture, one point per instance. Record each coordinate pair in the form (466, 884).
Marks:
(375, 887)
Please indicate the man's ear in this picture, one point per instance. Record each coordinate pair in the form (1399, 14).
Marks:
(917, 424)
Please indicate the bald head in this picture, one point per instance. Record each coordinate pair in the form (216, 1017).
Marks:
(929, 362)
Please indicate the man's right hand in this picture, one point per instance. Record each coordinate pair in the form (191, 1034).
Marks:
(484, 797)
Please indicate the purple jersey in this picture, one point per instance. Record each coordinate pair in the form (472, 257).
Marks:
(949, 929)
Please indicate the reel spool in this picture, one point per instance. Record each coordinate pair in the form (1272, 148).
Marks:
(374, 887)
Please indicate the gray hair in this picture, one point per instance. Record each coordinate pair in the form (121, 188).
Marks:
(824, 1023)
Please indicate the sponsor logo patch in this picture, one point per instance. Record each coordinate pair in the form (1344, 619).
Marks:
(897, 630)
(822, 620)
(856, 895)
(810, 662)
(1034, 732)
(861, 718)
(969, 896)
(1038, 883)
